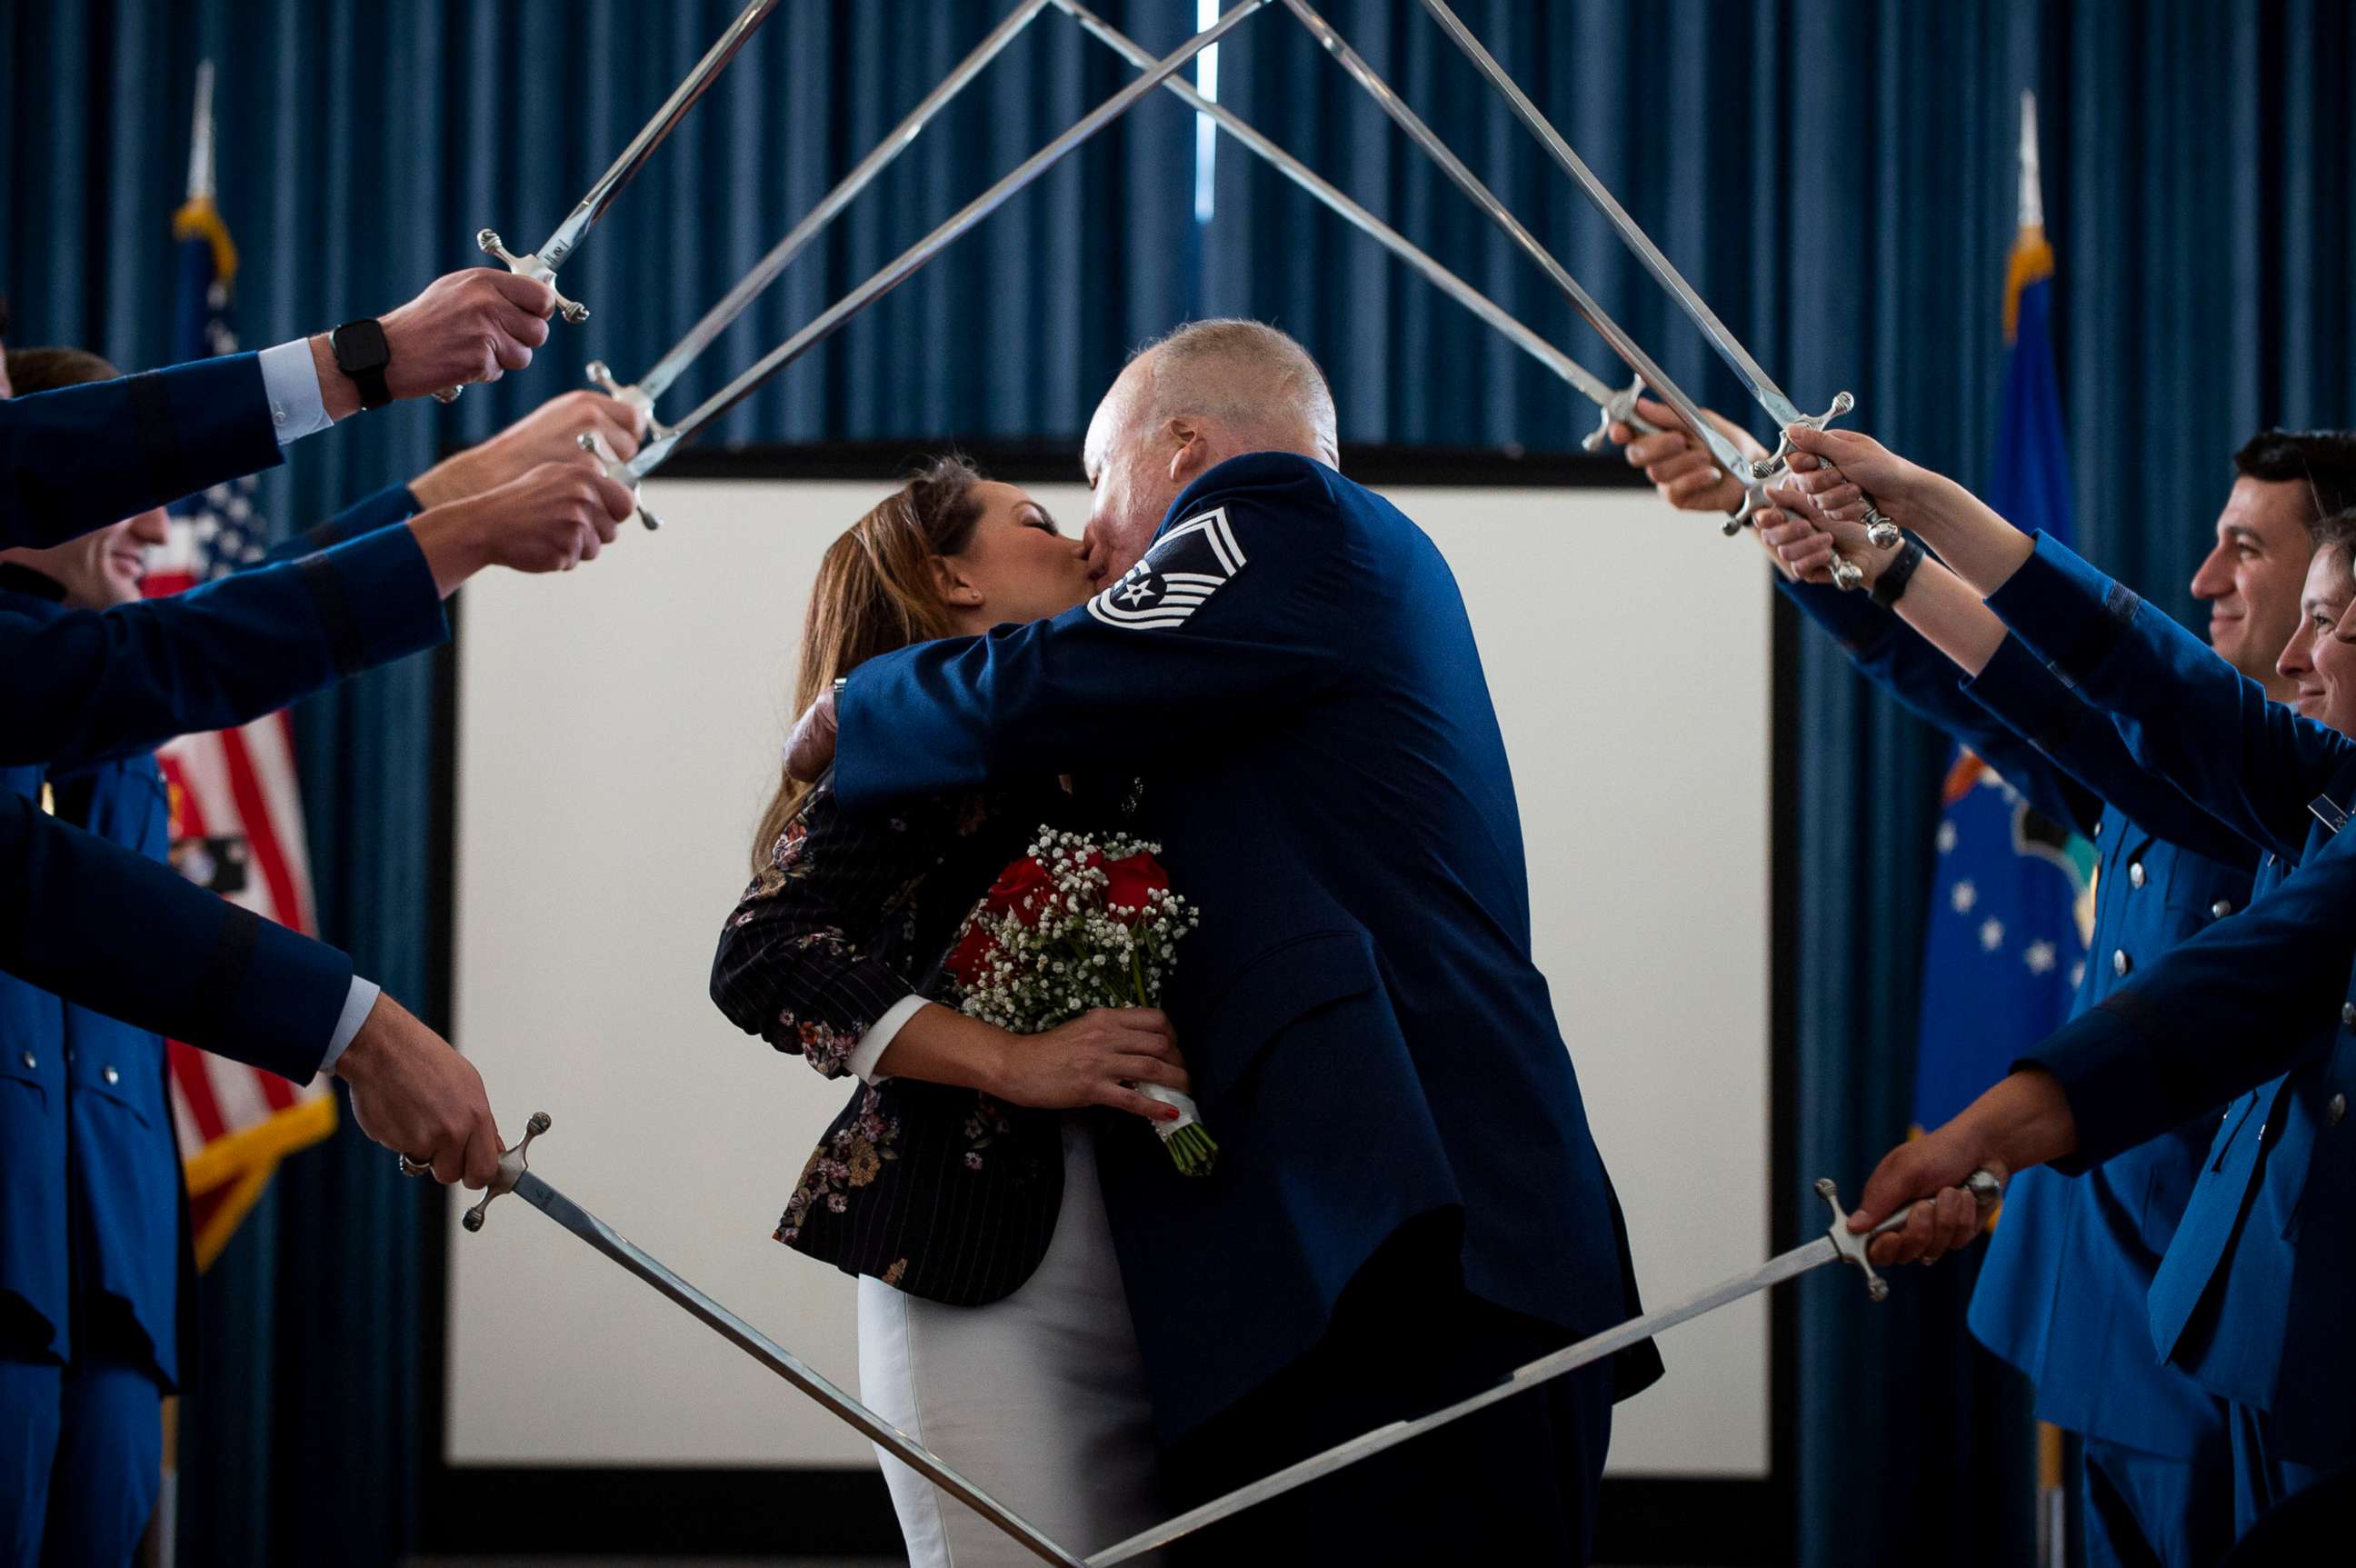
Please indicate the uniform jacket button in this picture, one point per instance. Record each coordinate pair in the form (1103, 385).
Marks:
(2120, 962)
(2220, 908)
(31, 1061)
(2136, 875)
(2347, 1014)
(110, 1076)
(2334, 1109)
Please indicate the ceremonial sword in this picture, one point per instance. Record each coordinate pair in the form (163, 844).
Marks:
(1838, 1245)
(900, 268)
(1728, 457)
(1879, 529)
(514, 1177)
(541, 265)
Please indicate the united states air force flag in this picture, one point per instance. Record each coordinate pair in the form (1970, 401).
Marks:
(1183, 569)
(2011, 903)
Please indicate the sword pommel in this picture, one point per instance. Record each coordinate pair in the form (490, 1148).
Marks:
(513, 1162)
(487, 241)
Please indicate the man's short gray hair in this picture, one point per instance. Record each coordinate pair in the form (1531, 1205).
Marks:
(1246, 373)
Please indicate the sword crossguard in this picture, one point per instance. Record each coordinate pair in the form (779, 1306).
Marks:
(513, 1162)
(620, 474)
(1851, 1245)
(1620, 410)
(1879, 531)
(601, 376)
(532, 266)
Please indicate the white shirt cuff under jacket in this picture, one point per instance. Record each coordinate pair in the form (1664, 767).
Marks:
(289, 380)
(357, 1003)
(880, 1035)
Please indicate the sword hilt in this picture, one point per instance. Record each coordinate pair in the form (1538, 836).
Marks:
(1879, 531)
(1851, 1245)
(601, 376)
(1847, 573)
(1620, 409)
(531, 266)
(620, 474)
(513, 1162)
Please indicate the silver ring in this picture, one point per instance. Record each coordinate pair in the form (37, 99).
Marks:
(411, 1168)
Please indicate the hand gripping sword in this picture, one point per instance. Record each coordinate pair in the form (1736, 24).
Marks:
(515, 1178)
(1838, 1245)
(898, 270)
(1729, 458)
(1882, 533)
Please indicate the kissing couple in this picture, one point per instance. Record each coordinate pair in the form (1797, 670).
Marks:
(1267, 672)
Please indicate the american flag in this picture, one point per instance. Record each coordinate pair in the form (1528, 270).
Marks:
(237, 814)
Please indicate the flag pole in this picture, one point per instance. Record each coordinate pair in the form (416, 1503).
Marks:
(200, 137)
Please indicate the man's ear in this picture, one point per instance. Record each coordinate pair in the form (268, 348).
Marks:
(1191, 450)
(951, 585)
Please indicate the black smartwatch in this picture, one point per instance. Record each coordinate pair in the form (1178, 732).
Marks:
(362, 355)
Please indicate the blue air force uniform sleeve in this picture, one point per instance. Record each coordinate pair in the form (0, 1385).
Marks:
(96, 685)
(2239, 1003)
(131, 938)
(1239, 613)
(83, 456)
(2253, 763)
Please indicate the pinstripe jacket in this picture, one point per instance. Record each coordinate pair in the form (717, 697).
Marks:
(946, 1193)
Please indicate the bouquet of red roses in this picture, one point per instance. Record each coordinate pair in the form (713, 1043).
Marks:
(1073, 925)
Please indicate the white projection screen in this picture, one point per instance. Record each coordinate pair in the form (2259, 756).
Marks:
(618, 732)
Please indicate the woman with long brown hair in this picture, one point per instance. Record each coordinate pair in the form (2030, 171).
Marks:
(959, 1184)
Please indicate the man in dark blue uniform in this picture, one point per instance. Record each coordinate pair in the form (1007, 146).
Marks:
(1407, 1200)
(92, 1241)
(81, 457)
(2065, 1292)
(2252, 1298)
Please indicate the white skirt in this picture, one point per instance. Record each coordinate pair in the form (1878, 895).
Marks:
(1038, 1398)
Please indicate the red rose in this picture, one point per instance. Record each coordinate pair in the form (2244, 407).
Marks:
(1025, 878)
(970, 961)
(1132, 880)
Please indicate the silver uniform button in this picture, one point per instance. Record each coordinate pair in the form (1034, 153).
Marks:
(2220, 908)
(2135, 875)
(2334, 1109)
(31, 1061)
(2121, 964)
(110, 1076)
(2347, 1014)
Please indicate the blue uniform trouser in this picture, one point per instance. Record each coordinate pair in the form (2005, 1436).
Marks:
(2146, 1512)
(81, 1452)
(2262, 1477)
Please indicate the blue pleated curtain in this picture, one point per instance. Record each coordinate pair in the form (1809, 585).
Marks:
(1838, 178)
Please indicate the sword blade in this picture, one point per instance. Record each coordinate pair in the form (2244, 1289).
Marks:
(1761, 385)
(1728, 457)
(1788, 1265)
(1365, 223)
(778, 1360)
(899, 269)
(592, 206)
(656, 381)
(1729, 350)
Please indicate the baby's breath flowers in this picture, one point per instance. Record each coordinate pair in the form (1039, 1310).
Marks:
(1077, 924)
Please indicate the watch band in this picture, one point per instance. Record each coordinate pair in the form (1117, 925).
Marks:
(1897, 574)
(362, 355)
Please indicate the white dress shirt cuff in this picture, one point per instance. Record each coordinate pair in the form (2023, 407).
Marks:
(357, 1003)
(880, 1034)
(291, 381)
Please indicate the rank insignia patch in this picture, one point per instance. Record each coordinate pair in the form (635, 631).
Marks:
(1185, 567)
